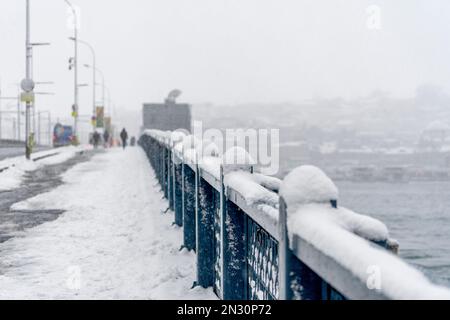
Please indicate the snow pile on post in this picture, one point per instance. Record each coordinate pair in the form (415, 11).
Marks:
(237, 158)
(259, 191)
(208, 149)
(176, 137)
(186, 143)
(196, 151)
(308, 190)
(342, 235)
(210, 158)
(308, 184)
(211, 165)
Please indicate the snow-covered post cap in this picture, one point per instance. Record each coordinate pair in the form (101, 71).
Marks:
(306, 185)
(167, 135)
(190, 142)
(237, 159)
(207, 148)
(188, 147)
(176, 137)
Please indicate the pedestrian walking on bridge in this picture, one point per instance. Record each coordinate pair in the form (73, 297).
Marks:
(124, 137)
(106, 138)
(96, 139)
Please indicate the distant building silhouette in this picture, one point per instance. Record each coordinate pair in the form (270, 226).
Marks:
(435, 137)
(167, 116)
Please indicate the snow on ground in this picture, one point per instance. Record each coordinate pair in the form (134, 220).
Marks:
(113, 242)
(18, 166)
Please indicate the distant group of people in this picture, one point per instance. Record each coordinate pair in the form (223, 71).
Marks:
(96, 139)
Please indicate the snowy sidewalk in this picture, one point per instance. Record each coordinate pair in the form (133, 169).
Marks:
(111, 243)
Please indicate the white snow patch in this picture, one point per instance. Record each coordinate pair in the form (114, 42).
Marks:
(191, 156)
(248, 186)
(211, 165)
(208, 149)
(307, 184)
(237, 156)
(111, 243)
(342, 235)
(268, 182)
(327, 230)
(18, 166)
(175, 136)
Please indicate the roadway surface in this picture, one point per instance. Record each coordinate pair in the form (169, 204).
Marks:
(16, 151)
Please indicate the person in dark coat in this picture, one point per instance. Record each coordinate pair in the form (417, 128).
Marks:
(106, 138)
(124, 137)
(96, 139)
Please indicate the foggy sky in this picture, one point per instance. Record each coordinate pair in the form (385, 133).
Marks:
(230, 51)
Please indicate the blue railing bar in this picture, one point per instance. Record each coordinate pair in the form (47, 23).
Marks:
(213, 181)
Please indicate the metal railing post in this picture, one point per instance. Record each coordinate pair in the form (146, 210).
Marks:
(170, 178)
(189, 199)
(204, 226)
(297, 281)
(284, 253)
(164, 168)
(177, 191)
(233, 241)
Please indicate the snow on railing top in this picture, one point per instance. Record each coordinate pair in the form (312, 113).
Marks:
(317, 228)
(250, 188)
(341, 235)
(308, 184)
(259, 191)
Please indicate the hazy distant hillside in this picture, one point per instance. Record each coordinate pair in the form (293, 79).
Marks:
(377, 115)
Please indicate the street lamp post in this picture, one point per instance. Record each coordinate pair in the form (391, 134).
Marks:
(103, 80)
(27, 83)
(94, 68)
(75, 66)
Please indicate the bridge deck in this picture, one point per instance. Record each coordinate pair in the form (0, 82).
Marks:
(111, 242)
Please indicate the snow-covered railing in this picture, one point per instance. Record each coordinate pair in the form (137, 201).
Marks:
(257, 237)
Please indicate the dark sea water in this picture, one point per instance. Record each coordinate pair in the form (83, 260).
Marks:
(417, 215)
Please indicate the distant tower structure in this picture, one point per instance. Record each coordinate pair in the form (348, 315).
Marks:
(169, 115)
(173, 96)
